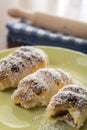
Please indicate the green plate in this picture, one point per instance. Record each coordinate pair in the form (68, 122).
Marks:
(14, 117)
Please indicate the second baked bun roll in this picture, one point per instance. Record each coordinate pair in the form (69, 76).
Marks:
(38, 88)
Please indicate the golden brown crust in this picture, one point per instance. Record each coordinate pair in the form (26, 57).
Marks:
(76, 89)
(42, 84)
(20, 63)
(70, 104)
(69, 98)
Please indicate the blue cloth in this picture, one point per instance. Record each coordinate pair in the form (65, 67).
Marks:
(28, 34)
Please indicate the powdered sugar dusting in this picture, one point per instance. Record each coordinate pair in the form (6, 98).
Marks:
(35, 53)
(11, 65)
(52, 125)
(76, 89)
(42, 85)
(22, 62)
(71, 98)
(43, 78)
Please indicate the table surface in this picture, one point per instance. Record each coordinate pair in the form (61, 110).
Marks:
(76, 9)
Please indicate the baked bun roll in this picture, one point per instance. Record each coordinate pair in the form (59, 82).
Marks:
(23, 61)
(38, 88)
(70, 105)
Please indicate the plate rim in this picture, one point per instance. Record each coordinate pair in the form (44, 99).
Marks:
(48, 47)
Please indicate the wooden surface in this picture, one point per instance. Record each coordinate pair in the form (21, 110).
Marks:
(76, 9)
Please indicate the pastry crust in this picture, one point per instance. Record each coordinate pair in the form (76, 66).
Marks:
(38, 88)
(70, 105)
(23, 61)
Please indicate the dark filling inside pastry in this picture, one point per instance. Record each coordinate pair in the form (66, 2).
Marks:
(65, 113)
(60, 114)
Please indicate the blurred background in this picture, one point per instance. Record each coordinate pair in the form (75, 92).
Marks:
(73, 9)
